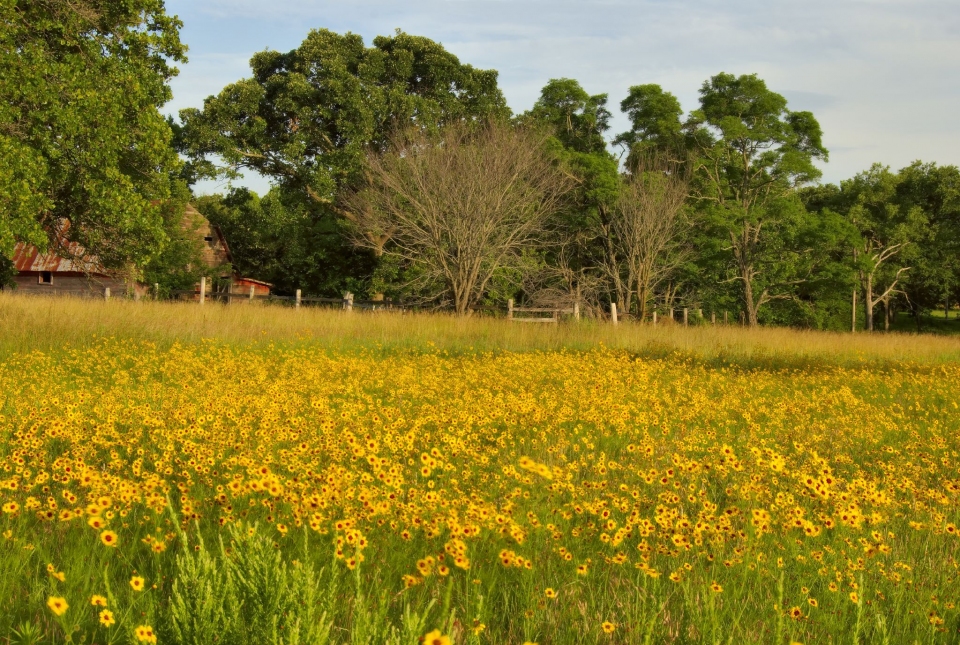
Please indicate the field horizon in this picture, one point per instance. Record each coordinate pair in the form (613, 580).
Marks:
(32, 323)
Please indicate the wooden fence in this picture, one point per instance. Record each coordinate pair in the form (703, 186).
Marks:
(555, 313)
(347, 302)
(514, 313)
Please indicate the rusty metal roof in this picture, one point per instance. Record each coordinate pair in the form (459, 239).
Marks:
(238, 279)
(27, 257)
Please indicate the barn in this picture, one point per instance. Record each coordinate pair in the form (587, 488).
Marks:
(74, 273)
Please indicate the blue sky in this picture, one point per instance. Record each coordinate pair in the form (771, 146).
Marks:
(881, 76)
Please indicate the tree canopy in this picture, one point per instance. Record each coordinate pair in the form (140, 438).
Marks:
(85, 154)
(305, 118)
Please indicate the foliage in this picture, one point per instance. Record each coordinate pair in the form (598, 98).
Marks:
(496, 498)
(655, 124)
(7, 272)
(180, 264)
(277, 238)
(81, 137)
(306, 117)
(578, 123)
(752, 153)
(246, 594)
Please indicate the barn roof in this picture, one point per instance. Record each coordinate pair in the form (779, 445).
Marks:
(253, 281)
(27, 257)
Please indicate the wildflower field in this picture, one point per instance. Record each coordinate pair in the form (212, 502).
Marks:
(286, 491)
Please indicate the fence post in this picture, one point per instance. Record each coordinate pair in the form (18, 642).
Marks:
(654, 317)
(348, 301)
(724, 317)
(576, 311)
(673, 317)
(713, 318)
(106, 293)
(685, 316)
(510, 309)
(700, 314)
(203, 289)
(252, 291)
(156, 291)
(613, 312)
(297, 304)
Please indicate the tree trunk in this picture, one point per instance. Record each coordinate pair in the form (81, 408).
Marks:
(853, 317)
(886, 314)
(868, 301)
(642, 302)
(750, 309)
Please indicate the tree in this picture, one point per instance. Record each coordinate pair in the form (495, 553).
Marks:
(84, 149)
(276, 238)
(934, 192)
(458, 206)
(306, 118)
(655, 124)
(577, 119)
(645, 228)
(577, 122)
(886, 232)
(180, 263)
(753, 153)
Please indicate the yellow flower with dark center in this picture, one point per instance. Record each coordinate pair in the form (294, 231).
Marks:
(436, 638)
(96, 522)
(98, 601)
(57, 605)
(608, 627)
(144, 634)
(136, 583)
(106, 618)
(716, 587)
(109, 538)
(549, 593)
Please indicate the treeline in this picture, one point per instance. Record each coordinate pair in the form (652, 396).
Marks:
(399, 171)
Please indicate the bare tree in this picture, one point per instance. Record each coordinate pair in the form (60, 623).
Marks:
(563, 283)
(643, 231)
(459, 206)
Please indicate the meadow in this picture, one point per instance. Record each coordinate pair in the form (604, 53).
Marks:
(185, 474)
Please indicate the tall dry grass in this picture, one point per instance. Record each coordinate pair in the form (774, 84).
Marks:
(40, 323)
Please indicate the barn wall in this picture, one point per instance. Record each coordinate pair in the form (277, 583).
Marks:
(76, 285)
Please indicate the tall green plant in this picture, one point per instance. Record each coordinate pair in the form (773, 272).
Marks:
(246, 594)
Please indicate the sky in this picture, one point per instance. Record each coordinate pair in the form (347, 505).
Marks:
(881, 76)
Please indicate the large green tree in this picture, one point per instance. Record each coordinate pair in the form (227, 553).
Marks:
(306, 119)
(929, 195)
(84, 152)
(753, 153)
(888, 232)
(578, 122)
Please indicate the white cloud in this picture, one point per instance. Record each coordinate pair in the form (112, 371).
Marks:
(878, 74)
